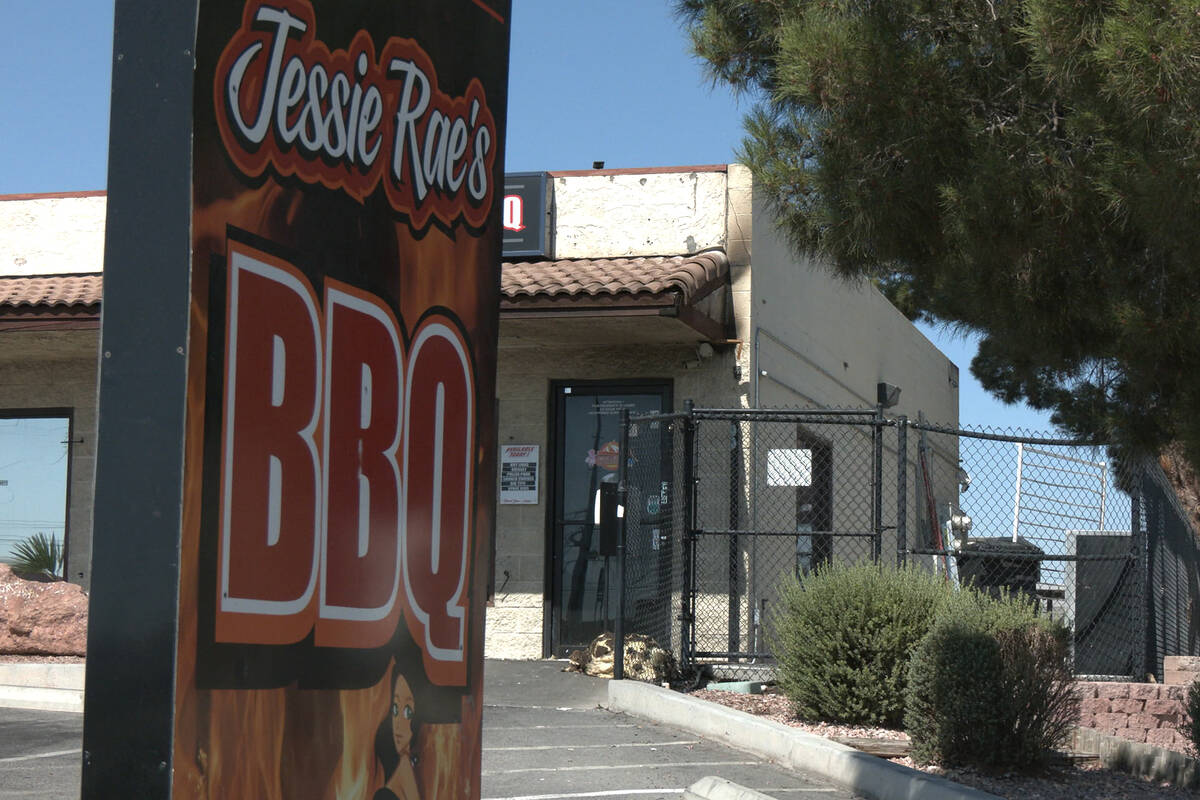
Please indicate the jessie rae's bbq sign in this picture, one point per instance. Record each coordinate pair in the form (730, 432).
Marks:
(346, 253)
(353, 120)
(348, 439)
(307, 193)
(347, 468)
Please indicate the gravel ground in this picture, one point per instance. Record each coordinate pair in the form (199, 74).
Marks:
(1066, 783)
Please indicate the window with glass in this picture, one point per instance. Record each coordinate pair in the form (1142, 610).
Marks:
(34, 473)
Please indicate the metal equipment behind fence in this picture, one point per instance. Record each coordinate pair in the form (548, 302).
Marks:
(722, 506)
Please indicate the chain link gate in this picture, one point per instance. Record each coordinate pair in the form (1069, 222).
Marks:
(721, 505)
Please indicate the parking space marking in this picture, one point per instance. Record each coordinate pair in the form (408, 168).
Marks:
(687, 743)
(609, 793)
(559, 727)
(54, 754)
(571, 709)
(672, 765)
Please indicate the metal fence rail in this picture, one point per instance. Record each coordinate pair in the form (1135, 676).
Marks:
(1171, 571)
(720, 505)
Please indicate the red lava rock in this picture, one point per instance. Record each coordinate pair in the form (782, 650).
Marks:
(41, 617)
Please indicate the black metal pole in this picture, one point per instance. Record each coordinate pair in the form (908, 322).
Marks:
(690, 485)
(877, 511)
(735, 601)
(901, 491)
(1143, 604)
(622, 496)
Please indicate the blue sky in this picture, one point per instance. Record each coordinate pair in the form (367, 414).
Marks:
(589, 81)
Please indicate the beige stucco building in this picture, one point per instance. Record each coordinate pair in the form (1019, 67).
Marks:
(654, 287)
(740, 321)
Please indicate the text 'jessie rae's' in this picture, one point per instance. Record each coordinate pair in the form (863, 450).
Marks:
(350, 121)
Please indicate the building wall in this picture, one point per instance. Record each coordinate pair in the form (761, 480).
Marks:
(52, 235)
(819, 341)
(58, 370)
(638, 214)
(826, 342)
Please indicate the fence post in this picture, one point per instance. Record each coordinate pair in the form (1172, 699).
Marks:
(877, 500)
(687, 595)
(622, 497)
(735, 498)
(901, 491)
(1144, 603)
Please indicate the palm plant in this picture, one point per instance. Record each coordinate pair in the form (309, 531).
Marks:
(40, 555)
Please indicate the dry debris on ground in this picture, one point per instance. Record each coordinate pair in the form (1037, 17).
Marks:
(1089, 782)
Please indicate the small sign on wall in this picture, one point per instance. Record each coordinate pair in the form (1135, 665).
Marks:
(789, 467)
(519, 474)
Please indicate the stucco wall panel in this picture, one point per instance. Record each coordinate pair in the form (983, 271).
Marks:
(606, 216)
(50, 236)
(824, 341)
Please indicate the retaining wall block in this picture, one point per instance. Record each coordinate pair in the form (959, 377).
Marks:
(1145, 691)
(1111, 721)
(1128, 706)
(1163, 737)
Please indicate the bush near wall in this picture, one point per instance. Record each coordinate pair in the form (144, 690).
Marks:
(990, 686)
(843, 638)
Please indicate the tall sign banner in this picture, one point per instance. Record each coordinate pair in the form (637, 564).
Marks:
(305, 615)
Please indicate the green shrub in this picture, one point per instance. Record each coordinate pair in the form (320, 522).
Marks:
(39, 555)
(990, 686)
(1190, 727)
(843, 637)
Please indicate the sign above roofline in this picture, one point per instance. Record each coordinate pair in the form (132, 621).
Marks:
(526, 215)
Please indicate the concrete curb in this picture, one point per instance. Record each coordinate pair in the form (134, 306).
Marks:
(1140, 759)
(42, 687)
(873, 777)
(714, 788)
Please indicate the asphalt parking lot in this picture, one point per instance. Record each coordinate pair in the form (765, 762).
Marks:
(39, 754)
(544, 738)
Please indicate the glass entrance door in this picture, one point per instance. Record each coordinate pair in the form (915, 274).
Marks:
(587, 433)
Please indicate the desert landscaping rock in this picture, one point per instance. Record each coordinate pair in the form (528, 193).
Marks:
(1063, 783)
(41, 618)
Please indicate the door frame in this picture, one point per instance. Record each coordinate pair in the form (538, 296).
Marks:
(555, 416)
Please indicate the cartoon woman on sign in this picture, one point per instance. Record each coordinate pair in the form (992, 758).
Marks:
(395, 743)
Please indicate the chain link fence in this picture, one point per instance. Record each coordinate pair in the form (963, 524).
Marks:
(1172, 573)
(1049, 519)
(721, 505)
(656, 504)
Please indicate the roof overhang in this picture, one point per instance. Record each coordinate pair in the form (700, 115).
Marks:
(50, 302)
(663, 299)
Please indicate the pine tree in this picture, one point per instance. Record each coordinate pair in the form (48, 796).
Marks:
(1028, 170)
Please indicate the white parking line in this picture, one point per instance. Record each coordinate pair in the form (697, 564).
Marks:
(590, 746)
(558, 727)
(672, 765)
(610, 793)
(54, 754)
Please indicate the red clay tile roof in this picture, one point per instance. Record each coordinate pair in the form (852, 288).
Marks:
(50, 290)
(654, 275)
(687, 275)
